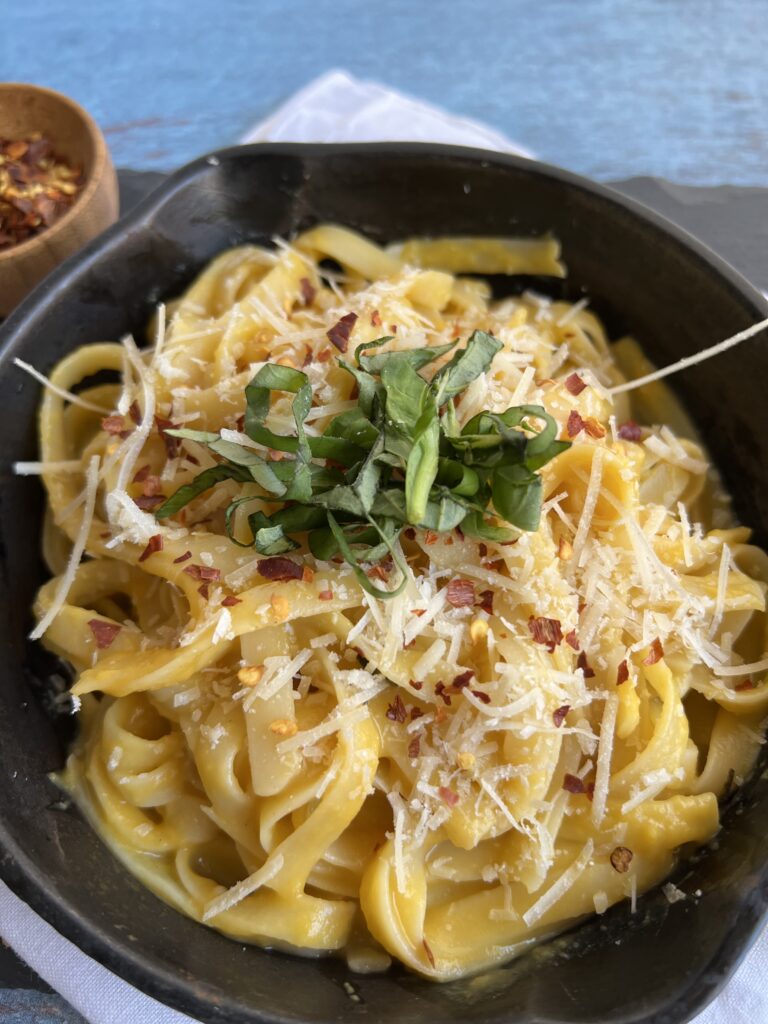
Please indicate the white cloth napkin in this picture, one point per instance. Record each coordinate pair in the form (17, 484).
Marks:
(333, 108)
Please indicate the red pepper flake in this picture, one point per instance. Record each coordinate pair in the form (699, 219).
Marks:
(191, 459)
(559, 715)
(375, 318)
(448, 796)
(593, 428)
(463, 680)
(418, 713)
(142, 474)
(430, 537)
(152, 485)
(485, 602)
(545, 631)
(416, 685)
(655, 654)
(339, 334)
(574, 384)
(622, 675)
(182, 558)
(482, 697)
(573, 784)
(240, 422)
(203, 590)
(746, 685)
(114, 425)
(428, 951)
(135, 412)
(575, 424)
(572, 640)
(279, 568)
(590, 791)
(323, 356)
(172, 444)
(154, 545)
(460, 593)
(410, 533)
(376, 572)
(396, 711)
(414, 747)
(621, 858)
(147, 502)
(103, 632)
(630, 431)
(583, 664)
(202, 572)
(482, 549)
(393, 328)
(230, 601)
(308, 291)
(307, 574)
(440, 691)
(325, 595)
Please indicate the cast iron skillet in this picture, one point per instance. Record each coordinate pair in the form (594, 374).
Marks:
(645, 276)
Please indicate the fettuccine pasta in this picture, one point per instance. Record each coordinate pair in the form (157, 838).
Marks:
(528, 732)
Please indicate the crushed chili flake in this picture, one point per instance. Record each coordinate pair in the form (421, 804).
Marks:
(154, 545)
(377, 572)
(463, 679)
(656, 653)
(485, 601)
(621, 858)
(440, 691)
(279, 568)
(545, 631)
(307, 574)
(230, 601)
(448, 796)
(416, 685)
(308, 291)
(183, 558)
(572, 640)
(172, 444)
(37, 186)
(410, 533)
(482, 549)
(396, 711)
(574, 384)
(393, 328)
(375, 318)
(482, 697)
(103, 632)
(141, 475)
(428, 951)
(202, 572)
(630, 431)
(191, 459)
(339, 334)
(114, 425)
(593, 427)
(559, 715)
(430, 537)
(622, 673)
(573, 784)
(746, 685)
(147, 502)
(417, 713)
(590, 791)
(414, 746)
(575, 424)
(583, 664)
(204, 590)
(325, 595)
(460, 593)
(135, 412)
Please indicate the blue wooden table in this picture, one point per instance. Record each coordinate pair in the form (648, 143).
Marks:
(613, 89)
(610, 88)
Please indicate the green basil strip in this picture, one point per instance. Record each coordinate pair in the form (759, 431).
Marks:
(360, 575)
(201, 483)
(416, 358)
(421, 468)
(465, 366)
(517, 496)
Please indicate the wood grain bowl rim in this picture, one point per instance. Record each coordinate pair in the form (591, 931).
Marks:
(94, 177)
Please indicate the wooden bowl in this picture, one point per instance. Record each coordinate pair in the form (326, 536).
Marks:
(76, 137)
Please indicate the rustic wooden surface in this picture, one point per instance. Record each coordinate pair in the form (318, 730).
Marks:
(609, 88)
